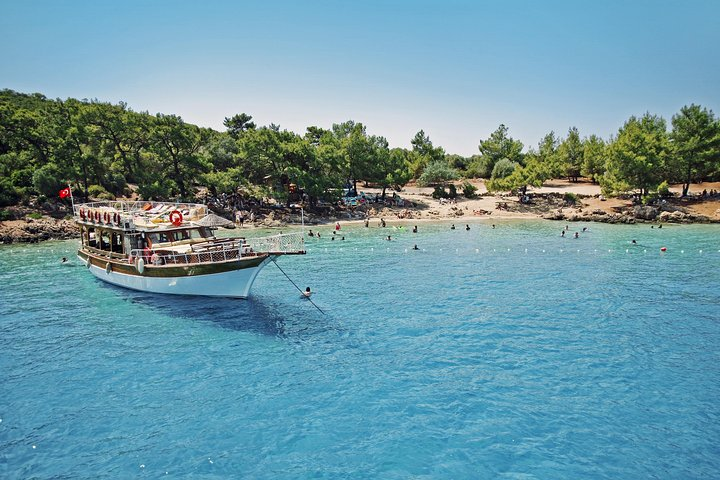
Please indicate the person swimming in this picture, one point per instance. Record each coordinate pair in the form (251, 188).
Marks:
(467, 227)
(415, 229)
(416, 247)
(389, 239)
(452, 227)
(307, 292)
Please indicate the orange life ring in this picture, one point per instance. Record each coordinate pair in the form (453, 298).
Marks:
(115, 218)
(106, 217)
(97, 216)
(176, 218)
(82, 214)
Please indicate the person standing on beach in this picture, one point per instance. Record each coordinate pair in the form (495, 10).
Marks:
(367, 222)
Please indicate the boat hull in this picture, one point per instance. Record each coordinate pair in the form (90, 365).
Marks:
(234, 281)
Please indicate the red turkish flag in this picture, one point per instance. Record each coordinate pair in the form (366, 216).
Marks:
(65, 192)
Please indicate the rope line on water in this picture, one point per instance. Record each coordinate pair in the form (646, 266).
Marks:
(299, 290)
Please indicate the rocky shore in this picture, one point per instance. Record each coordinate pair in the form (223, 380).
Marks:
(30, 230)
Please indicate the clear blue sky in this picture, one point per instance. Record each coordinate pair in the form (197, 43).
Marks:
(456, 69)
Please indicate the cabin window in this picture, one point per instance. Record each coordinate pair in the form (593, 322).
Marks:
(105, 241)
(92, 238)
(117, 243)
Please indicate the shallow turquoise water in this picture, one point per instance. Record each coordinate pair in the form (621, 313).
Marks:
(470, 358)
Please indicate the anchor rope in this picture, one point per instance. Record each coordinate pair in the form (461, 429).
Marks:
(299, 290)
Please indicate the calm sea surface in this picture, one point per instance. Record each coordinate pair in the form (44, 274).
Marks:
(505, 353)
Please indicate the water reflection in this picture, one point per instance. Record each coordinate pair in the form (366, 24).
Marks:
(265, 315)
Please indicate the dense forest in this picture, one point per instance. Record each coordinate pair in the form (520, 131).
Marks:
(103, 149)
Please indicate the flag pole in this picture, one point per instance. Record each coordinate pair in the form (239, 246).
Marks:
(72, 202)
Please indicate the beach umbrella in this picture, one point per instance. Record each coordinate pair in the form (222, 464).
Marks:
(214, 221)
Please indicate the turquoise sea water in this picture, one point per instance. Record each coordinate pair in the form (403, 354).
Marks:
(470, 358)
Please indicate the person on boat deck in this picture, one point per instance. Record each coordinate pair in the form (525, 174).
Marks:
(155, 259)
(307, 292)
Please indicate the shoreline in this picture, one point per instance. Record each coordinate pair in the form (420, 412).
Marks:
(417, 206)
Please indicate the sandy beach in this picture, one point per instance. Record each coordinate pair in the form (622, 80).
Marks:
(497, 206)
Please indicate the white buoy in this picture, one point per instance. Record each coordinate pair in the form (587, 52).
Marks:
(543, 251)
(627, 251)
(477, 250)
(682, 251)
(700, 251)
(526, 250)
(561, 250)
(372, 249)
(406, 250)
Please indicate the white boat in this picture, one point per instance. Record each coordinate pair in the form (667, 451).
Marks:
(170, 248)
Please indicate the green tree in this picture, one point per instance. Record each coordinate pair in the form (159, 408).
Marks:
(570, 155)
(636, 159)
(239, 123)
(178, 146)
(438, 172)
(500, 145)
(504, 168)
(695, 140)
(424, 153)
(593, 163)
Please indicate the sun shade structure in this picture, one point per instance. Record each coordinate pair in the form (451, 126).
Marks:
(213, 221)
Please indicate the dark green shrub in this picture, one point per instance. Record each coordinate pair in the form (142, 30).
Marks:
(469, 190)
(570, 198)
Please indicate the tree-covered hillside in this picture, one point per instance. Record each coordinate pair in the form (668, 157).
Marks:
(102, 148)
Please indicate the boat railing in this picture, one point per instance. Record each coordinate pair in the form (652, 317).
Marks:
(282, 244)
(115, 211)
(223, 250)
(221, 253)
(138, 206)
